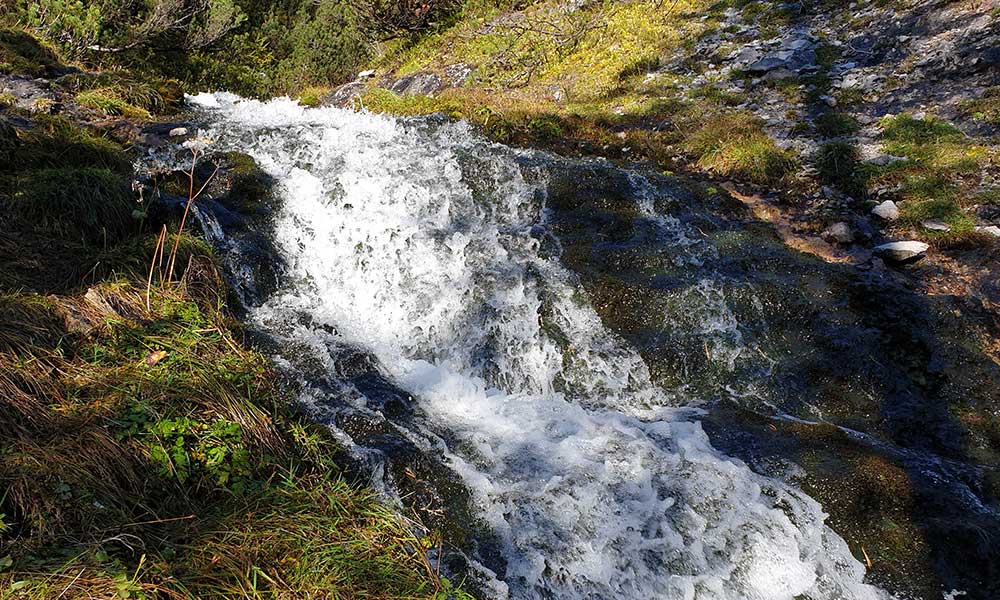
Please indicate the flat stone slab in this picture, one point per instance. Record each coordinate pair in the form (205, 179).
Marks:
(901, 252)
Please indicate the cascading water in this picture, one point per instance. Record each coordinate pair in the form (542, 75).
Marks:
(426, 247)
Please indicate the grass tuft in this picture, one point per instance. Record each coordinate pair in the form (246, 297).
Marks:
(735, 145)
(88, 203)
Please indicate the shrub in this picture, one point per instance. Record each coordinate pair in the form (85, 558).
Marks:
(326, 46)
(400, 18)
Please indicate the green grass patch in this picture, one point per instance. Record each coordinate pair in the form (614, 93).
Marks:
(839, 167)
(107, 101)
(735, 145)
(88, 203)
(835, 124)
(906, 129)
(56, 141)
(915, 212)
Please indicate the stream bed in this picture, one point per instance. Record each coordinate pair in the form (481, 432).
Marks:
(601, 382)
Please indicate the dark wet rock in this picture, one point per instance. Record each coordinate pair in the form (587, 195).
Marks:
(901, 252)
(418, 84)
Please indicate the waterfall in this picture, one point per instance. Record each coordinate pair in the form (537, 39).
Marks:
(426, 247)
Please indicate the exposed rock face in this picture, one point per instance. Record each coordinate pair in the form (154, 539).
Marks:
(418, 84)
(344, 94)
(901, 252)
(29, 93)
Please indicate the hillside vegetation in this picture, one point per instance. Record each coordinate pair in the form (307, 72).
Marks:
(147, 450)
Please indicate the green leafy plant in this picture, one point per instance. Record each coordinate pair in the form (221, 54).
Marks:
(186, 448)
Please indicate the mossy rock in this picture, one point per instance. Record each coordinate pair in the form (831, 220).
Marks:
(22, 54)
(249, 186)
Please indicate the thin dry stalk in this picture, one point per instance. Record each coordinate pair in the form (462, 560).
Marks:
(192, 196)
(160, 241)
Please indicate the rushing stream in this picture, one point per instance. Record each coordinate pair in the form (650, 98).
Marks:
(425, 254)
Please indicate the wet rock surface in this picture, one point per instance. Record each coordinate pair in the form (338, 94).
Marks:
(844, 379)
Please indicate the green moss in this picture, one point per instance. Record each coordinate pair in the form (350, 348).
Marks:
(312, 96)
(383, 101)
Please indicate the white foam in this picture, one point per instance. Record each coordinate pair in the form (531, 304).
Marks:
(413, 241)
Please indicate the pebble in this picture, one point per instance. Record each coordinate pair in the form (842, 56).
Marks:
(839, 232)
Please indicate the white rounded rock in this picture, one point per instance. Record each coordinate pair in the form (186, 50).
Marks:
(887, 210)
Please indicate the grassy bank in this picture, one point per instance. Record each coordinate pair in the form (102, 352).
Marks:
(146, 450)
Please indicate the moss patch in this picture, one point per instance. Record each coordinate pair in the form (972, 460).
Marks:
(22, 54)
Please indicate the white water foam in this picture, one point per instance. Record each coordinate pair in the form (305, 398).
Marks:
(413, 240)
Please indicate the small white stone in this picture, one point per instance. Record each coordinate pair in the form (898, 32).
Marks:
(887, 210)
(936, 225)
(366, 74)
(178, 131)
